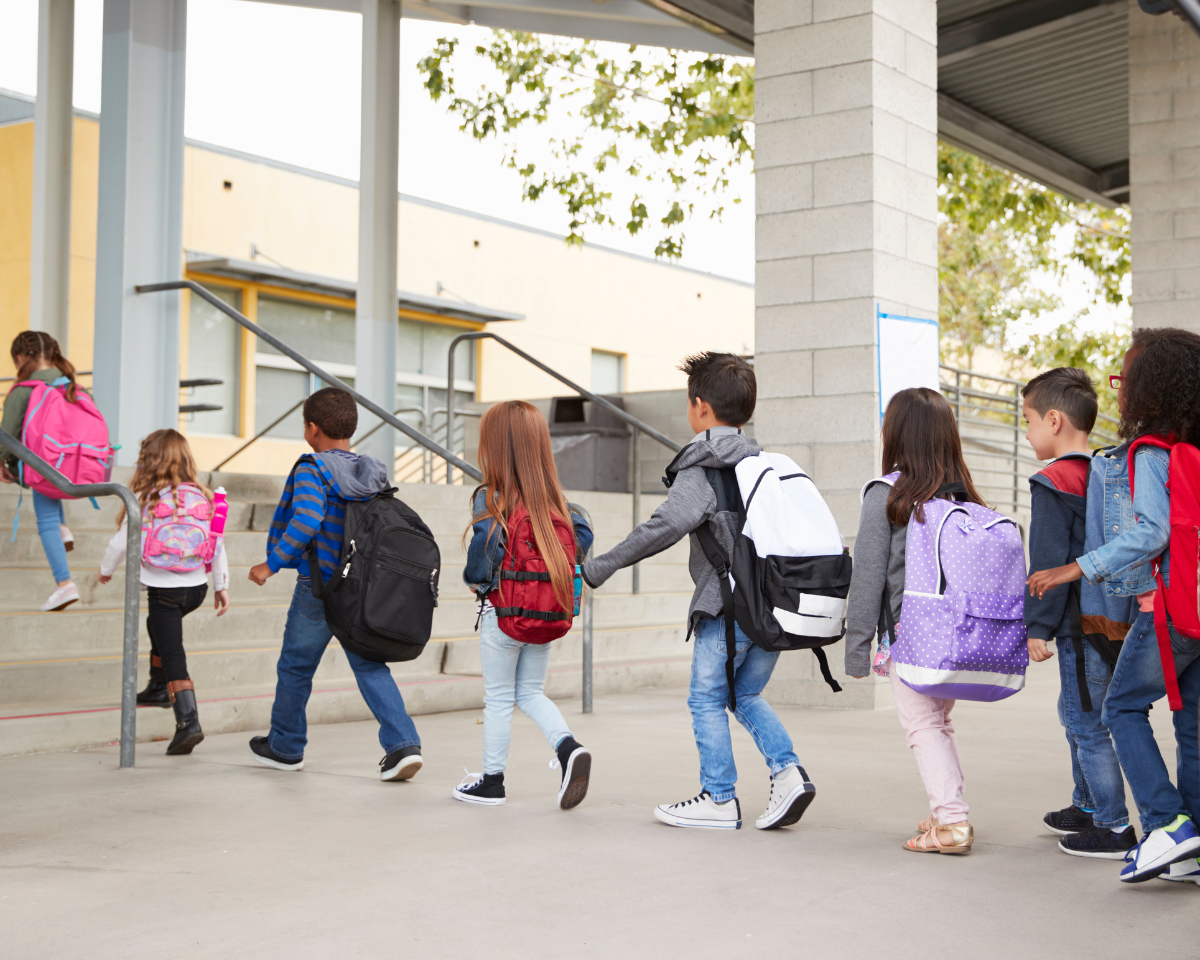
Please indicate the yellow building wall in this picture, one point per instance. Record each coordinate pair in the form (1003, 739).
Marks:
(16, 225)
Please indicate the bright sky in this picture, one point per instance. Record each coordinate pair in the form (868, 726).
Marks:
(283, 82)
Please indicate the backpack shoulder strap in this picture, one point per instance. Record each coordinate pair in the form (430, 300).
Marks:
(724, 483)
(1145, 440)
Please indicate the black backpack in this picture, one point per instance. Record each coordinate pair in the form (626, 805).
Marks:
(379, 602)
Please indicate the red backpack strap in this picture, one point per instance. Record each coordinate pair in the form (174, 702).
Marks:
(1145, 440)
(1165, 652)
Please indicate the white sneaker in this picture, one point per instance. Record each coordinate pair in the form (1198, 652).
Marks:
(702, 811)
(1159, 849)
(68, 539)
(62, 597)
(1183, 872)
(791, 793)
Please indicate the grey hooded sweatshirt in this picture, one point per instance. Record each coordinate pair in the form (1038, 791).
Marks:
(690, 502)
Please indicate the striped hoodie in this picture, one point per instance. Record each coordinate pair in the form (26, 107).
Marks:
(314, 505)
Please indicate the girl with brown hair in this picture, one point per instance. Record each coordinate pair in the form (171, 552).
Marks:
(166, 473)
(518, 470)
(921, 456)
(37, 356)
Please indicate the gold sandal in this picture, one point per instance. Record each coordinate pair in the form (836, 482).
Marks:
(962, 835)
(927, 824)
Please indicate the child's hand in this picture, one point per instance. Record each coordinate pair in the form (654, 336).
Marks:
(103, 579)
(260, 573)
(5, 476)
(221, 602)
(1045, 580)
(1038, 651)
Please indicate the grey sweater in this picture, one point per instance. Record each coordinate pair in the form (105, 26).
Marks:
(690, 502)
(878, 560)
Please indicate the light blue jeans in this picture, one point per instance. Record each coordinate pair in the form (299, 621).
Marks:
(49, 516)
(513, 673)
(709, 696)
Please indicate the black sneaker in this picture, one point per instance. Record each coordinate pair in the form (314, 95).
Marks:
(1068, 821)
(481, 788)
(401, 764)
(1099, 843)
(261, 750)
(576, 764)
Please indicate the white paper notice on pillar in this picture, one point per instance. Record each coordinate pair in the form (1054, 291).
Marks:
(908, 354)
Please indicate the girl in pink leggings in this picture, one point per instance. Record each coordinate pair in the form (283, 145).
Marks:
(920, 443)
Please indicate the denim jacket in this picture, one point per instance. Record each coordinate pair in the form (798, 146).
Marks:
(1124, 535)
(486, 551)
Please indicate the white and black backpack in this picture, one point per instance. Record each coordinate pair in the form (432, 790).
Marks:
(787, 584)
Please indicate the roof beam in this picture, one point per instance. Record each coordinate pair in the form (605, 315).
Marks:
(1017, 23)
(980, 134)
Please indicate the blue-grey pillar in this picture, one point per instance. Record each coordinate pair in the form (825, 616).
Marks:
(139, 231)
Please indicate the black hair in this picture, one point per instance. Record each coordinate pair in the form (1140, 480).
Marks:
(1162, 388)
(334, 411)
(1068, 390)
(726, 382)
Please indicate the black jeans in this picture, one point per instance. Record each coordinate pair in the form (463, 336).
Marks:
(168, 606)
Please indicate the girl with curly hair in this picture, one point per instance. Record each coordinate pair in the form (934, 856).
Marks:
(1158, 393)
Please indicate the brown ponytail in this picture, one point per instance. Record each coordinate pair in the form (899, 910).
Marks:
(31, 347)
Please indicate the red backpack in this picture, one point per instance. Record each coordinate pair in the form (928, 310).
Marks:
(526, 608)
(1180, 601)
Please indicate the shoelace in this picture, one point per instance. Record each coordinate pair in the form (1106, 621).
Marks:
(470, 780)
(555, 765)
(1131, 855)
(684, 803)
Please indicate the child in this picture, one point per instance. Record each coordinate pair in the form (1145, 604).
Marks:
(164, 465)
(721, 396)
(920, 441)
(518, 469)
(1060, 409)
(313, 506)
(1159, 393)
(37, 356)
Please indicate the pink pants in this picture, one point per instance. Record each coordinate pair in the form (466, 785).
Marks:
(930, 735)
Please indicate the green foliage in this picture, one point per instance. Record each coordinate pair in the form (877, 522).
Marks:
(649, 115)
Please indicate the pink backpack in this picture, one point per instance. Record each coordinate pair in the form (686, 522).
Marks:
(182, 531)
(71, 437)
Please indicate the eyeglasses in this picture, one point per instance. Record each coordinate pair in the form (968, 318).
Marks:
(1114, 381)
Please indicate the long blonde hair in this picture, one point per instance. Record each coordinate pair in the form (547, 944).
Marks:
(518, 468)
(164, 460)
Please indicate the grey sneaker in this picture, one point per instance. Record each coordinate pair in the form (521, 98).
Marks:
(791, 793)
(702, 811)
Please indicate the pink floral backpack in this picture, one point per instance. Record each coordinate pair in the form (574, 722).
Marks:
(180, 534)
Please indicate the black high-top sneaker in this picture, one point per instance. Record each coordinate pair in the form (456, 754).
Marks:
(576, 764)
(187, 718)
(487, 788)
(155, 694)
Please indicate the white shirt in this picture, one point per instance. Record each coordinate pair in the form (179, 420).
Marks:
(114, 556)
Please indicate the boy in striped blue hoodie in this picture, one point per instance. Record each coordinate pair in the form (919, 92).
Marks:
(313, 509)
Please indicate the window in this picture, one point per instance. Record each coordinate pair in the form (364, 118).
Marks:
(607, 372)
(423, 348)
(314, 331)
(276, 391)
(214, 351)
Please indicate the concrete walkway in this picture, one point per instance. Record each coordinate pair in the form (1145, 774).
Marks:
(216, 856)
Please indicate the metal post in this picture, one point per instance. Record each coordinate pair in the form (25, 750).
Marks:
(1016, 444)
(586, 600)
(958, 400)
(450, 404)
(129, 649)
(637, 501)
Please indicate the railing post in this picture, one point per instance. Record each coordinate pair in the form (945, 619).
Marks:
(958, 400)
(637, 501)
(129, 647)
(586, 600)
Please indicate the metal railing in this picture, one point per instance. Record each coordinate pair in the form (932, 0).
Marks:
(638, 426)
(587, 600)
(183, 385)
(133, 561)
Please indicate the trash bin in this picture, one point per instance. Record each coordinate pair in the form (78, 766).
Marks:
(590, 444)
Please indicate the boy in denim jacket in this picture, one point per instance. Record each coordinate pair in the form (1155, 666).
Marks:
(1060, 408)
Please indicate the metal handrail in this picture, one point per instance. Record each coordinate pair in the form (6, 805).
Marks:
(411, 432)
(263, 432)
(1115, 421)
(133, 561)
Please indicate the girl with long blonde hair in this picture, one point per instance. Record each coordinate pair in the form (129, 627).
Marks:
(519, 472)
(166, 475)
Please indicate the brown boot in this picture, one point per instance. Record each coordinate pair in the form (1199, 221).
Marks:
(187, 718)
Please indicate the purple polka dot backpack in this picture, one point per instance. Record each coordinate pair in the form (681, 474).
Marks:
(961, 634)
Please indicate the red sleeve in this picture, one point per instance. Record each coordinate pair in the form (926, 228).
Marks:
(1068, 476)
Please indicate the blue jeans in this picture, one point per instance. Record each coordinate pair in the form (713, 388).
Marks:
(1138, 682)
(709, 696)
(1098, 783)
(305, 638)
(513, 673)
(49, 516)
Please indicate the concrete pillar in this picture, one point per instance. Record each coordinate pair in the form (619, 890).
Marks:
(379, 171)
(50, 261)
(139, 231)
(1164, 170)
(846, 197)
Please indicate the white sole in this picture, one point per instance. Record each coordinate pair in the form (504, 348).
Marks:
(482, 801)
(1115, 855)
(674, 821)
(275, 764)
(1183, 851)
(800, 798)
(1192, 879)
(1061, 833)
(575, 779)
(405, 769)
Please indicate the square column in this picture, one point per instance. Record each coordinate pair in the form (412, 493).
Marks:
(50, 259)
(1164, 170)
(378, 199)
(846, 198)
(139, 231)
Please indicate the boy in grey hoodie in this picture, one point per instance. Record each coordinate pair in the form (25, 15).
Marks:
(721, 396)
(313, 510)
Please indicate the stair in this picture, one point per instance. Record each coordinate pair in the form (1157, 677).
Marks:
(60, 673)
